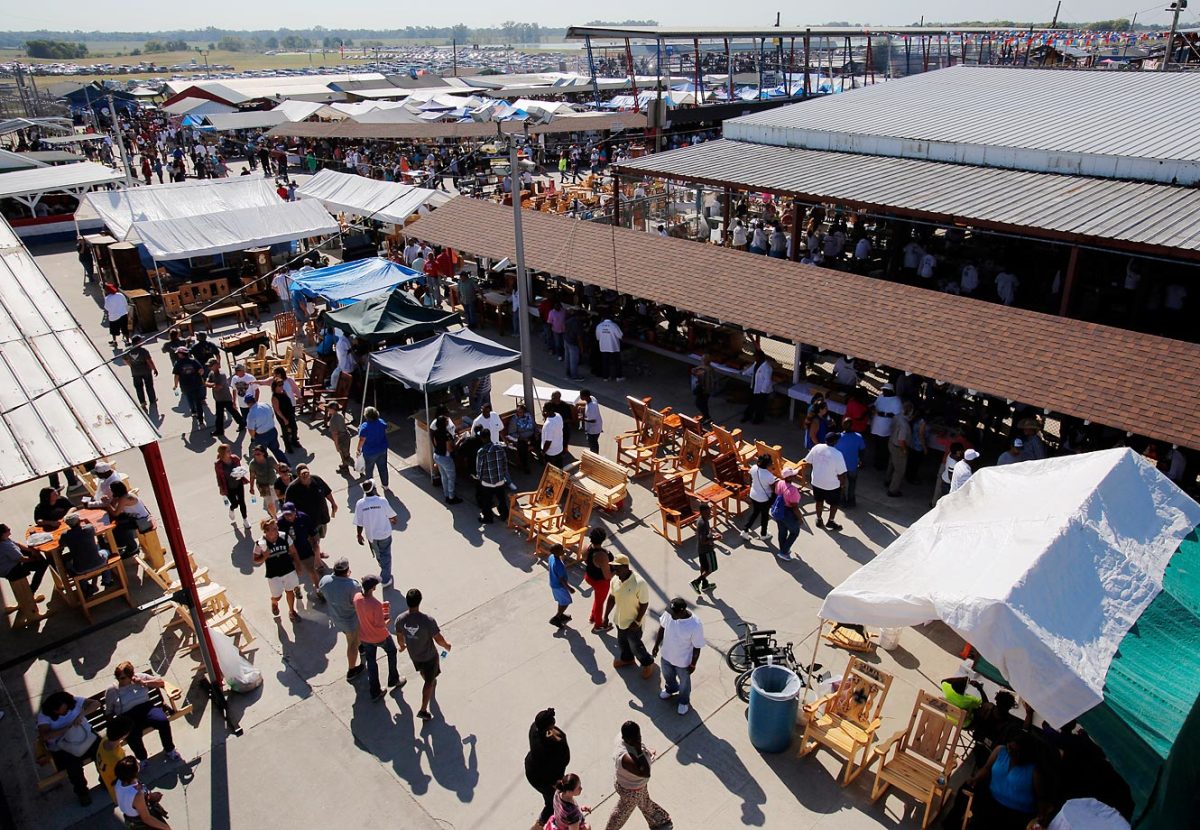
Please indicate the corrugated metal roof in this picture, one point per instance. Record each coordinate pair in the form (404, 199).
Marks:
(60, 402)
(581, 122)
(734, 32)
(81, 175)
(1068, 366)
(1160, 217)
(1127, 125)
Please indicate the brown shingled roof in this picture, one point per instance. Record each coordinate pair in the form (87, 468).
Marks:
(1068, 366)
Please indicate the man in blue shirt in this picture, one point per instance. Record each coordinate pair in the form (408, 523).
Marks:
(851, 446)
(373, 444)
(260, 425)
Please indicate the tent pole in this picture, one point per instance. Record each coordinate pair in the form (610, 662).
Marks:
(427, 425)
(808, 672)
(523, 323)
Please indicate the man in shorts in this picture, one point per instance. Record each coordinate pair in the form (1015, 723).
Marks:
(339, 590)
(277, 553)
(419, 635)
(298, 528)
(706, 550)
(827, 474)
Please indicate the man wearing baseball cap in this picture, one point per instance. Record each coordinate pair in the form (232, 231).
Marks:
(630, 597)
(260, 425)
(339, 590)
(373, 631)
(964, 469)
(1012, 455)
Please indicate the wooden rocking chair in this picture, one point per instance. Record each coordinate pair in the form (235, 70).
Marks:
(568, 529)
(525, 509)
(847, 720)
(313, 386)
(725, 440)
(637, 408)
(733, 477)
(686, 463)
(676, 508)
(638, 450)
(285, 329)
(778, 462)
(919, 760)
(340, 395)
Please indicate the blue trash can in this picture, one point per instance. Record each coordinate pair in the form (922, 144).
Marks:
(774, 700)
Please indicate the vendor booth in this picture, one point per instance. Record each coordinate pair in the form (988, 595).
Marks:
(1078, 579)
(436, 363)
(349, 282)
(387, 202)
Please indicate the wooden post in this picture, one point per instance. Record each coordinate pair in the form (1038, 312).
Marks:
(632, 75)
(617, 199)
(807, 45)
(726, 217)
(1068, 282)
(796, 211)
(699, 90)
(791, 68)
(729, 67)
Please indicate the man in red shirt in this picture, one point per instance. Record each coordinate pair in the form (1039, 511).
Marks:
(373, 618)
(857, 417)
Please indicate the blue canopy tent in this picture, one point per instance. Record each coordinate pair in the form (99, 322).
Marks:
(350, 282)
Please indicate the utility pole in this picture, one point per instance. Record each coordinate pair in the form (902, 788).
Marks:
(523, 300)
(1057, 9)
(116, 127)
(1132, 26)
(1176, 7)
(454, 54)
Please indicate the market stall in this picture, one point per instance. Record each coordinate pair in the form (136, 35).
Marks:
(349, 282)
(390, 317)
(387, 202)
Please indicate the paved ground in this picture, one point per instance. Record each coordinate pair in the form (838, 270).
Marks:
(316, 749)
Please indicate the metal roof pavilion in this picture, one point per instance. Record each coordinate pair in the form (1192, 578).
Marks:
(1116, 125)
(60, 402)
(733, 33)
(1140, 217)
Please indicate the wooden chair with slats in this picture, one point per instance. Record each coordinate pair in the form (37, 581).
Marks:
(637, 408)
(285, 329)
(172, 305)
(638, 450)
(845, 722)
(187, 295)
(527, 508)
(340, 394)
(686, 462)
(733, 477)
(920, 759)
(675, 508)
(778, 462)
(569, 528)
(313, 386)
(725, 440)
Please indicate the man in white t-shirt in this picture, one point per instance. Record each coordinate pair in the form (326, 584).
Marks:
(1006, 287)
(680, 638)
(941, 484)
(593, 420)
(608, 337)
(762, 493)
(926, 268)
(963, 469)
(887, 407)
(374, 518)
(552, 437)
(968, 281)
(282, 289)
(761, 386)
(491, 420)
(411, 251)
(826, 475)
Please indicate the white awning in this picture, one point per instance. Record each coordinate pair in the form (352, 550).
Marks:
(245, 120)
(120, 210)
(72, 178)
(60, 402)
(234, 230)
(298, 110)
(379, 200)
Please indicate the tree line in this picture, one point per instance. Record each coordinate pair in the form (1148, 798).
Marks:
(55, 49)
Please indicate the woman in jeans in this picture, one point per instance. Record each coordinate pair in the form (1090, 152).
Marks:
(283, 401)
(231, 488)
(130, 696)
(785, 510)
(373, 444)
(442, 437)
(762, 493)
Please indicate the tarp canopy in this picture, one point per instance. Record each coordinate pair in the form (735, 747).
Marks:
(254, 120)
(389, 317)
(348, 282)
(1043, 566)
(298, 110)
(62, 401)
(450, 357)
(120, 210)
(234, 230)
(379, 200)
(69, 177)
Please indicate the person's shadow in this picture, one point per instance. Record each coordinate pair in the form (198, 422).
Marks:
(701, 746)
(583, 652)
(443, 744)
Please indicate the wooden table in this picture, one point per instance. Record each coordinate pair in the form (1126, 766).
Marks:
(243, 311)
(98, 519)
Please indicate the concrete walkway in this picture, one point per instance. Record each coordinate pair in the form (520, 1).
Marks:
(316, 751)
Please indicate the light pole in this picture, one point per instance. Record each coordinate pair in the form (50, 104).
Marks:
(1176, 7)
(204, 54)
(522, 317)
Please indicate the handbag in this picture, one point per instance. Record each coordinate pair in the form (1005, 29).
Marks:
(77, 740)
(779, 509)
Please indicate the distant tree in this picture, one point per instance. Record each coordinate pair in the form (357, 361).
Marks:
(231, 43)
(55, 49)
(272, 42)
(177, 45)
(150, 47)
(460, 33)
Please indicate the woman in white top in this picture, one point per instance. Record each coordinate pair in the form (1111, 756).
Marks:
(138, 807)
(130, 696)
(762, 482)
(116, 307)
(130, 515)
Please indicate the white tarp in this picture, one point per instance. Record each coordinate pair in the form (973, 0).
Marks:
(379, 200)
(234, 230)
(60, 402)
(71, 177)
(255, 120)
(120, 210)
(298, 110)
(1043, 566)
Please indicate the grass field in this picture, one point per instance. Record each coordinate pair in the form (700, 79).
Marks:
(239, 60)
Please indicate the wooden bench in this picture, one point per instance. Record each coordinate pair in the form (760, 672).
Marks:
(169, 697)
(606, 482)
(242, 311)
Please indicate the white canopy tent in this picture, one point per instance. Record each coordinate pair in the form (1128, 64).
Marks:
(1043, 566)
(255, 120)
(28, 186)
(379, 200)
(298, 110)
(234, 230)
(62, 403)
(122, 210)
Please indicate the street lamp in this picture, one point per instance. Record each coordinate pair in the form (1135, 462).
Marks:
(1176, 7)
(204, 54)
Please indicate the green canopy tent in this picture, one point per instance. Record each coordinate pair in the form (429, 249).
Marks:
(389, 317)
(1149, 722)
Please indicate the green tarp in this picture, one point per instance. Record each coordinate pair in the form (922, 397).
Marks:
(1149, 723)
(391, 317)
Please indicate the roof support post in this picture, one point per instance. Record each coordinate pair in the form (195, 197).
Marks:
(807, 55)
(1068, 281)
(632, 75)
(790, 68)
(616, 199)
(797, 210)
(729, 67)
(699, 91)
(587, 42)
(726, 216)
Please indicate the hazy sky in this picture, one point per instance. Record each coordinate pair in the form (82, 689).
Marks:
(69, 15)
